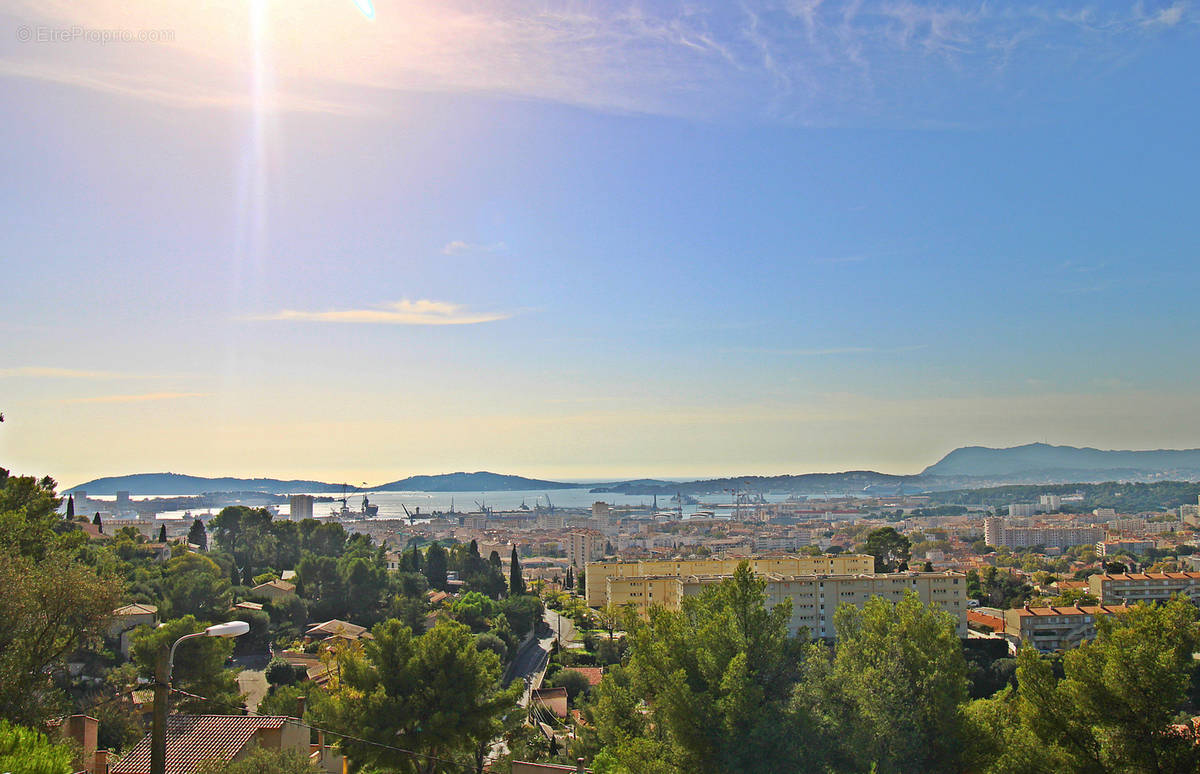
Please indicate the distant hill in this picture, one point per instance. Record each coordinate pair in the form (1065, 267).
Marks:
(1066, 463)
(481, 481)
(853, 481)
(178, 484)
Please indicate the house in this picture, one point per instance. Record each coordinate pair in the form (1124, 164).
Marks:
(553, 699)
(272, 590)
(196, 739)
(1055, 628)
(336, 628)
(127, 618)
(593, 674)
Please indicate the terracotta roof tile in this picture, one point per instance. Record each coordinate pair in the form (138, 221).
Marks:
(194, 739)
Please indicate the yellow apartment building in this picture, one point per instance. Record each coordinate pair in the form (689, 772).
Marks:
(596, 587)
(814, 598)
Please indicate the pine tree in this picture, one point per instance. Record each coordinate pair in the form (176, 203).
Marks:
(162, 534)
(70, 507)
(516, 583)
(99, 524)
(198, 535)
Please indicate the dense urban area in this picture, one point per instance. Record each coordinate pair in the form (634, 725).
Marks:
(997, 630)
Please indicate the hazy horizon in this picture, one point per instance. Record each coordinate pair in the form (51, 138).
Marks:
(647, 240)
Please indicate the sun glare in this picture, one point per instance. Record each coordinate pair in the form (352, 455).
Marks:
(367, 7)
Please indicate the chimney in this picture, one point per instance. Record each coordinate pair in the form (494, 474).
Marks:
(300, 702)
(101, 762)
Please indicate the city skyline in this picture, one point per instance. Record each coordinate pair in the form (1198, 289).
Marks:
(289, 240)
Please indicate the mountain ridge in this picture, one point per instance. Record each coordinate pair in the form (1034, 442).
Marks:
(965, 466)
(1034, 458)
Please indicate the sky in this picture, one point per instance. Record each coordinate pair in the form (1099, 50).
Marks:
(340, 240)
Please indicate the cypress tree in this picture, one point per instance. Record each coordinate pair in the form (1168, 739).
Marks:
(436, 563)
(495, 561)
(70, 507)
(516, 583)
(198, 535)
(474, 549)
(99, 524)
(162, 534)
(570, 581)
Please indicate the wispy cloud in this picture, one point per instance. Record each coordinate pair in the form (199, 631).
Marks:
(458, 247)
(142, 398)
(827, 351)
(48, 372)
(801, 61)
(422, 312)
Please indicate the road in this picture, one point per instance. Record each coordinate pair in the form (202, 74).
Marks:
(560, 623)
(252, 680)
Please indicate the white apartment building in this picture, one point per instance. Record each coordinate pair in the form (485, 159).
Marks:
(996, 532)
(300, 507)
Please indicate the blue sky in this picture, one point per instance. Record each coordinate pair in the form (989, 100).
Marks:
(592, 239)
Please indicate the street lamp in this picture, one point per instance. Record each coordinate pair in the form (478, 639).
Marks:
(162, 690)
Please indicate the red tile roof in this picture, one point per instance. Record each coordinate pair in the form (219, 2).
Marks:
(593, 674)
(194, 739)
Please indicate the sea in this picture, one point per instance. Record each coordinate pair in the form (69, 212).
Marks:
(392, 504)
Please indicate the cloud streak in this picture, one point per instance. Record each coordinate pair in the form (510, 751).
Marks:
(458, 247)
(47, 372)
(404, 312)
(142, 398)
(800, 61)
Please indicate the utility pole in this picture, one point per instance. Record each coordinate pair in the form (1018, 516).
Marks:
(162, 689)
(158, 732)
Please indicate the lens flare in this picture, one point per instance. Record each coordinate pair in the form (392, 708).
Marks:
(367, 7)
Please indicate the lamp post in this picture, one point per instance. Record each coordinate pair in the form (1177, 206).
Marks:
(162, 690)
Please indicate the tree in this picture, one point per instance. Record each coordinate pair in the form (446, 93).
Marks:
(890, 549)
(194, 584)
(198, 535)
(897, 680)
(162, 534)
(96, 521)
(199, 666)
(70, 507)
(436, 695)
(570, 580)
(50, 602)
(574, 681)
(474, 609)
(280, 672)
(23, 751)
(1114, 707)
(717, 677)
(523, 613)
(436, 564)
(516, 582)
